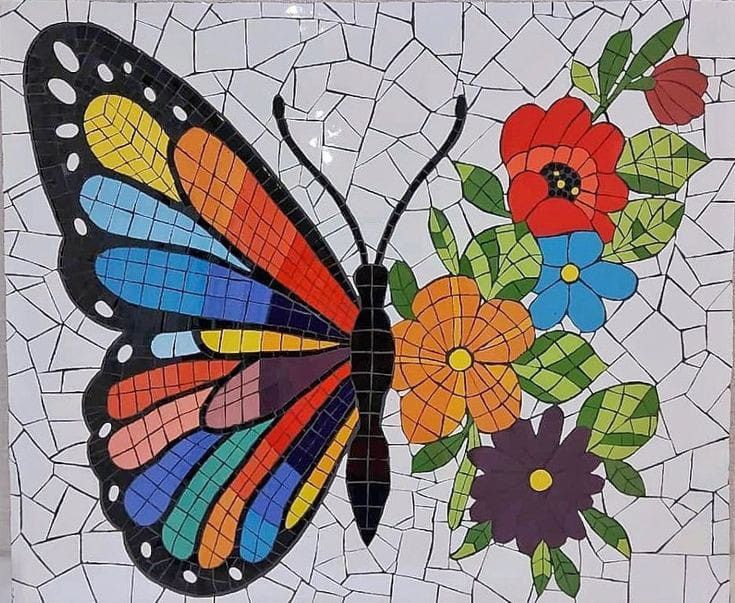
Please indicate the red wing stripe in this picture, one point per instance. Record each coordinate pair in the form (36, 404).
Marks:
(230, 198)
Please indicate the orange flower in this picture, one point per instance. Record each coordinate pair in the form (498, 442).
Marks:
(455, 358)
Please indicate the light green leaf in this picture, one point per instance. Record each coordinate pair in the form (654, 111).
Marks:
(504, 260)
(541, 568)
(621, 418)
(642, 229)
(463, 481)
(482, 188)
(654, 49)
(403, 288)
(477, 538)
(608, 529)
(565, 573)
(659, 162)
(582, 79)
(558, 366)
(443, 238)
(613, 60)
(625, 478)
(437, 454)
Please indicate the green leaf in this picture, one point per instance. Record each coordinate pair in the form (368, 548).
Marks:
(613, 60)
(582, 79)
(504, 260)
(625, 478)
(403, 288)
(621, 418)
(608, 529)
(477, 538)
(482, 188)
(443, 238)
(541, 568)
(437, 454)
(558, 366)
(654, 49)
(642, 229)
(659, 162)
(463, 481)
(565, 573)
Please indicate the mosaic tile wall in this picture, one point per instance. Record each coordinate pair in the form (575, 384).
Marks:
(370, 93)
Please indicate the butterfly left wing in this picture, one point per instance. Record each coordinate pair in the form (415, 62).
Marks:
(219, 415)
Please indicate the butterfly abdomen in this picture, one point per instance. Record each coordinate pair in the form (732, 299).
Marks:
(373, 350)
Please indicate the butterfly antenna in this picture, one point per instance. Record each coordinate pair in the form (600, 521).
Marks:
(460, 113)
(279, 111)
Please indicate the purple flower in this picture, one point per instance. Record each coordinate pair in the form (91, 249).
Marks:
(534, 487)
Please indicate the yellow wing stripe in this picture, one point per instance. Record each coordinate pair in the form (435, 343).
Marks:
(237, 341)
(125, 138)
(318, 477)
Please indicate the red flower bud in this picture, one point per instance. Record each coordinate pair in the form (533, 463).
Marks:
(676, 93)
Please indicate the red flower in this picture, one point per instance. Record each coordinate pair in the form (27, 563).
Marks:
(678, 87)
(562, 169)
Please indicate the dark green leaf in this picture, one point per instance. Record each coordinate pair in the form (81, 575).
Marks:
(643, 229)
(437, 454)
(608, 529)
(443, 238)
(625, 478)
(620, 418)
(582, 79)
(477, 538)
(654, 49)
(565, 573)
(403, 288)
(558, 366)
(482, 188)
(463, 481)
(504, 260)
(613, 60)
(659, 162)
(541, 568)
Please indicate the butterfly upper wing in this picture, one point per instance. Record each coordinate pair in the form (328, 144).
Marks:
(219, 414)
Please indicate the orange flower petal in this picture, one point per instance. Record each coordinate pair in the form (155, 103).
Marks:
(508, 333)
(423, 422)
(414, 341)
(500, 406)
(440, 306)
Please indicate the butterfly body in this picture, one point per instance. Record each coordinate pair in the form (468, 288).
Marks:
(373, 349)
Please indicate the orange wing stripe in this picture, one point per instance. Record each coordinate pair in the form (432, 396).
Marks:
(230, 197)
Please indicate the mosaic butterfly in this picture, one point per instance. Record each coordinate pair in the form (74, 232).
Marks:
(248, 363)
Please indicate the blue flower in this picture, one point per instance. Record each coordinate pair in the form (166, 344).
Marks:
(574, 280)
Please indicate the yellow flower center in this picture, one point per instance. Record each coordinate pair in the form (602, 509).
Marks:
(570, 273)
(561, 183)
(460, 359)
(540, 480)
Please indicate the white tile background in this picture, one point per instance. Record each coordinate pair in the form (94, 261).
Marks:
(371, 122)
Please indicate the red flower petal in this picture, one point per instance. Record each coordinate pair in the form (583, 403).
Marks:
(557, 216)
(680, 102)
(566, 114)
(604, 226)
(682, 61)
(694, 80)
(612, 193)
(519, 129)
(605, 143)
(657, 108)
(526, 191)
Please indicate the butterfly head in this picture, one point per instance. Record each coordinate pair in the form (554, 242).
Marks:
(371, 281)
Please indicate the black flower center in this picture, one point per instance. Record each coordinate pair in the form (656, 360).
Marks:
(563, 181)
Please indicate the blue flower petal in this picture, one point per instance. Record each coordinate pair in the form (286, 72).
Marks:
(554, 250)
(585, 248)
(549, 275)
(585, 308)
(611, 281)
(550, 306)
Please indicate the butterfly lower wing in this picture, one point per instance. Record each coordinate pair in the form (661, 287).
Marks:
(178, 234)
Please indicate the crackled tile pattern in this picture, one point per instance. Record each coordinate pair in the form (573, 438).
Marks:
(370, 93)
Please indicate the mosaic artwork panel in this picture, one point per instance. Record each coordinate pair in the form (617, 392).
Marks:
(369, 301)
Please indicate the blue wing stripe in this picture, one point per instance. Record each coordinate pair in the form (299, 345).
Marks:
(175, 282)
(174, 345)
(124, 210)
(265, 515)
(149, 495)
